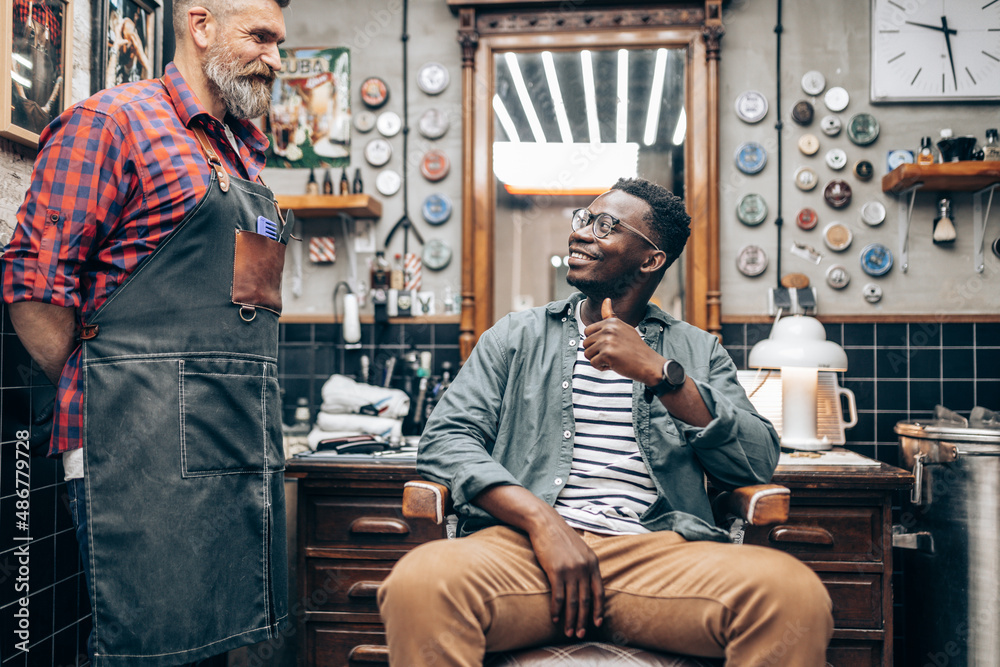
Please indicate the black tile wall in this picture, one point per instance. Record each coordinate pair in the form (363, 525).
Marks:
(309, 353)
(58, 608)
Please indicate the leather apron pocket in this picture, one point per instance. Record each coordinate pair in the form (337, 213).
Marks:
(257, 268)
(227, 418)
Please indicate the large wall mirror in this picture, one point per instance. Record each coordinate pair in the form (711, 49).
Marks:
(560, 99)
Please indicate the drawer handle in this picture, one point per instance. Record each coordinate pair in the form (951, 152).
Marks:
(364, 589)
(376, 525)
(369, 653)
(801, 535)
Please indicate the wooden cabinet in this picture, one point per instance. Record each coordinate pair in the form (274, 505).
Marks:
(840, 525)
(351, 531)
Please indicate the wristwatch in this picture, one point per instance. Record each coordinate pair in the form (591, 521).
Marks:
(673, 379)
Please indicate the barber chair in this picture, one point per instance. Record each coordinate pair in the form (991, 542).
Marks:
(759, 505)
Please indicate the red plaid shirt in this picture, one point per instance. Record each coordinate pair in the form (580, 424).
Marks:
(117, 172)
(42, 14)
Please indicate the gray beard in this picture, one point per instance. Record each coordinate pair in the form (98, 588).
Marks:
(245, 97)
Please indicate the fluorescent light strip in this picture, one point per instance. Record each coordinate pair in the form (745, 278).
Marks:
(505, 120)
(655, 98)
(25, 83)
(557, 98)
(522, 93)
(682, 127)
(590, 97)
(24, 62)
(622, 96)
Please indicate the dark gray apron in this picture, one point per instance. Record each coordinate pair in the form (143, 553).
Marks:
(182, 442)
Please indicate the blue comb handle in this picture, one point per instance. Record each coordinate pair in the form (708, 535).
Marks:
(267, 228)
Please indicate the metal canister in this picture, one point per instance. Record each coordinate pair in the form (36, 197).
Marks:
(949, 531)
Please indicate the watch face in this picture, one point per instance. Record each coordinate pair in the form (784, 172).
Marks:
(389, 124)
(378, 152)
(433, 78)
(934, 51)
(862, 129)
(750, 157)
(752, 209)
(751, 106)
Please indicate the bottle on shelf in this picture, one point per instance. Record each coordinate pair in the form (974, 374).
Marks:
(358, 187)
(345, 185)
(926, 154)
(380, 271)
(944, 142)
(327, 184)
(944, 224)
(312, 187)
(396, 276)
(991, 151)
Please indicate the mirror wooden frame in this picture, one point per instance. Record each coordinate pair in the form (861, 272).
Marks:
(488, 27)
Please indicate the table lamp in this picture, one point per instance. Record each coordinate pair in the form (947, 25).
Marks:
(798, 347)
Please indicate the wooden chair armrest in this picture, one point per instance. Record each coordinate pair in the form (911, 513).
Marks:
(758, 505)
(425, 500)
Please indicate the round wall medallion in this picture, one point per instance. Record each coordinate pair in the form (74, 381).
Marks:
(837, 193)
(837, 236)
(836, 159)
(837, 276)
(808, 144)
(433, 124)
(435, 165)
(752, 209)
(751, 261)
(876, 259)
(806, 178)
(364, 121)
(387, 182)
(830, 126)
(872, 292)
(807, 219)
(751, 106)
(433, 78)
(389, 123)
(813, 82)
(374, 92)
(862, 129)
(864, 170)
(873, 213)
(836, 99)
(897, 157)
(436, 209)
(436, 255)
(377, 152)
(802, 112)
(750, 157)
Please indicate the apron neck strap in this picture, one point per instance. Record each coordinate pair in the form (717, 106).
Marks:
(213, 158)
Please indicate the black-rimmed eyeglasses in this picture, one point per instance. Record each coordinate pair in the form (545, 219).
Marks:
(603, 223)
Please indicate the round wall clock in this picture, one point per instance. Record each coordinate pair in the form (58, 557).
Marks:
(938, 50)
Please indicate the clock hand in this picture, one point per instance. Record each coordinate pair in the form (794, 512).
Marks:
(946, 30)
(947, 40)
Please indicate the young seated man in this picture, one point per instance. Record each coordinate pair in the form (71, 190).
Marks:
(575, 441)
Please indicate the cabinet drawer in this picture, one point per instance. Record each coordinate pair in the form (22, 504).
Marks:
(346, 645)
(851, 653)
(825, 533)
(857, 599)
(363, 522)
(351, 584)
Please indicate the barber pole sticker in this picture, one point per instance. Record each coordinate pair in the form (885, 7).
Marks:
(412, 268)
(322, 250)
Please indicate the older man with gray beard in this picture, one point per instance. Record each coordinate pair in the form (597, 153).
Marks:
(137, 282)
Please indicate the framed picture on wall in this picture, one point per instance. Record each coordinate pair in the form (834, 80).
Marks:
(132, 47)
(35, 66)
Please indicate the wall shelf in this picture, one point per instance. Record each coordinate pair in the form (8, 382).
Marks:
(331, 206)
(980, 178)
(314, 318)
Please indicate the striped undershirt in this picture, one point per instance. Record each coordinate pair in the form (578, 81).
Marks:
(609, 487)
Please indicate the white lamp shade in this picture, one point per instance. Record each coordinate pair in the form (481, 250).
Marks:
(798, 341)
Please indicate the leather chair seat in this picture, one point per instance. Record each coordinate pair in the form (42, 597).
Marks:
(594, 654)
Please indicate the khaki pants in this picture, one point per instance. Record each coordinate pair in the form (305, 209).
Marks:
(448, 602)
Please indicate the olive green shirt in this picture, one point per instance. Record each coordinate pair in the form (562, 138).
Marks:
(508, 419)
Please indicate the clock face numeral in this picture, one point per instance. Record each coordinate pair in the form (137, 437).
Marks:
(935, 50)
